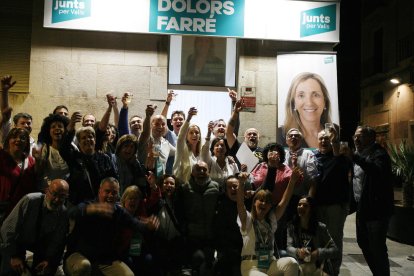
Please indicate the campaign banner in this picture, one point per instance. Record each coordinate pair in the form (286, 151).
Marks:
(307, 94)
(202, 17)
(252, 19)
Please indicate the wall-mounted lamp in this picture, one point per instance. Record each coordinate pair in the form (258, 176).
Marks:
(395, 80)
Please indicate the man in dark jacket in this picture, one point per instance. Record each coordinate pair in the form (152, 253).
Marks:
(373, 193)
(90, 245)
(196, 207)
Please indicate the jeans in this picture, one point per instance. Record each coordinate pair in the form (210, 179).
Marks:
(371, 238)
(334, 217)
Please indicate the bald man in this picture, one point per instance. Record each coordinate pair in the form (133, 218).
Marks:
(38, 223)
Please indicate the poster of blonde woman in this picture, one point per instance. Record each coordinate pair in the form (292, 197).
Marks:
(307, 95)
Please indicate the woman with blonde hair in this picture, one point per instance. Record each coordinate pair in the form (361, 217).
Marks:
(307, 108)
(188, 148)
(258, 229)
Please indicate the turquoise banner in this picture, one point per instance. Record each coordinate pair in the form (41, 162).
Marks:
(317, 21)
(64, 10)
(197, 17)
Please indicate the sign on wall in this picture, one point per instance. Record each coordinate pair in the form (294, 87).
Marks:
(255, 19)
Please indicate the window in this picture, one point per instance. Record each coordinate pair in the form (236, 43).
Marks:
(16, 30)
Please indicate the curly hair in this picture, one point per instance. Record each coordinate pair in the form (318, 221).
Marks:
(47, 122)
(274, 146)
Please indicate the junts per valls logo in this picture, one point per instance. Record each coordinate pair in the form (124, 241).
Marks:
(317, 21)
(65, 10)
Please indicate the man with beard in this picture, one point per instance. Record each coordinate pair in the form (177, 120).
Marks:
(90, 245)
(251, 135)
(38, 223)
(373, 194)
(196, 206)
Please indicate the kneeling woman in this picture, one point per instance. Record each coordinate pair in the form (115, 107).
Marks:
(309, 241)
(258, 229)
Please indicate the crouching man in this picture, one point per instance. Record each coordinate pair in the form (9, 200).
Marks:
(91, 248)
(38, 223)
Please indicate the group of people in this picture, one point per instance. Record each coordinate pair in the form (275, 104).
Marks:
(137, 198)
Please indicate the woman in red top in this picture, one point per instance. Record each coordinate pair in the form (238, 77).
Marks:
(17, 171)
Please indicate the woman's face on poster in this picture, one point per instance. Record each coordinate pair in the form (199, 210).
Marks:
(309, 101)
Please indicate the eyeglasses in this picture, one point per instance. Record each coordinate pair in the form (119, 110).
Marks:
(290, 136)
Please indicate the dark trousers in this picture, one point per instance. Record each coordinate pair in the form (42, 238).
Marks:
(371, 238)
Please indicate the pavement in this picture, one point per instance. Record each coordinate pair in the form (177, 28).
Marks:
(353, 262)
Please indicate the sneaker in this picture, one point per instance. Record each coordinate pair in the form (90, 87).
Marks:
(411, 257)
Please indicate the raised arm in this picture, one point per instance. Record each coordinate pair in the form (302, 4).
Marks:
(116, 113)
(281, 207)
(146, 129)
(6, 84)
(123, 126)
(205, 150)
(234, 120)
(170, 96)
(241, 208)
(233, 97)
(105, 118)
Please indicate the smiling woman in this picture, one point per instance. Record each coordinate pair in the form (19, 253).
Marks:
(307, 108)
(49, 164)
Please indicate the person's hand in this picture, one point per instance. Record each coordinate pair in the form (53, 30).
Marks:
(232, 94)
(37, 152)
(100, 208)
(7, 83)
(149, 111)
(191, 112)
(238, 106)
(210, 127)
(126, 98)
(333, 135)
(152, 222)
(41, 267)
(243, 167)
(302, 253)
(297, 174)
(111, 99)
(75, 118)
(17, 265)
(170, 96)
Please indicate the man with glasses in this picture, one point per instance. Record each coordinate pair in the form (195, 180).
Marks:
(373, 194)
(296, 156)
(38, 223)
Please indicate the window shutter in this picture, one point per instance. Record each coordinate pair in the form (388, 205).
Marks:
(15, 45)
